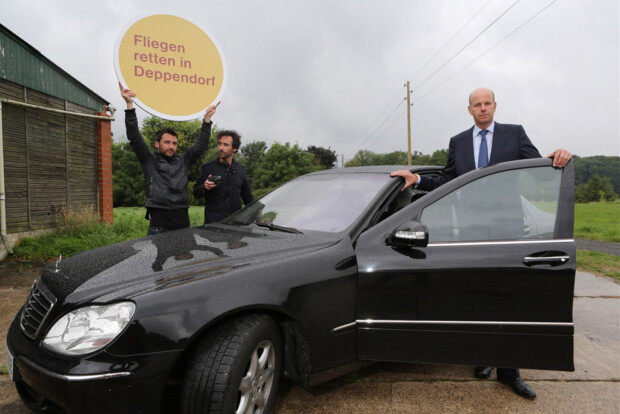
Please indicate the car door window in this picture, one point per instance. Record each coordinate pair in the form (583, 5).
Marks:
(515, 204)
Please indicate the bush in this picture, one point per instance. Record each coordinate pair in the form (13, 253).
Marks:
(596, 189)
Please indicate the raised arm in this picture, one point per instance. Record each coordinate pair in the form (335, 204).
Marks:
(127, 95)
(201, 144)
(210, 112)
(131, 126)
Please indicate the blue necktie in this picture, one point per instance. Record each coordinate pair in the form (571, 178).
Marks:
(483, 154)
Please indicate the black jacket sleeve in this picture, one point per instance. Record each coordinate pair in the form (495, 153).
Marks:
(201, 144)
(199, 186)
(447, 173)
(135, 137)
(526, 148)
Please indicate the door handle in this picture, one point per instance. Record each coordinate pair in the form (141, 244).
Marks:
(548, 260)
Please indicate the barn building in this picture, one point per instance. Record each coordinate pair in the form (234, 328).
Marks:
(55, 144)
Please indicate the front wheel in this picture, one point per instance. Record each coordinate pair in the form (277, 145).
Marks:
(235, 368)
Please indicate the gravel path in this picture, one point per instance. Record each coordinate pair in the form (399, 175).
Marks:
(597, 246)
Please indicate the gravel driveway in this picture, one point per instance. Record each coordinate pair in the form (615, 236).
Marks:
(597, 246)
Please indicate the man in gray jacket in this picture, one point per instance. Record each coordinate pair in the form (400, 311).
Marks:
(165, 171)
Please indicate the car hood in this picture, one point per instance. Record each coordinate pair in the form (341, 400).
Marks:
(167, 257)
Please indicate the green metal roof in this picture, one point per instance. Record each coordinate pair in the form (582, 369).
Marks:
(22, 64)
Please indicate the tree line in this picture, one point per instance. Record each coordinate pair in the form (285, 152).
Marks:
(266, 167)
(596, 178)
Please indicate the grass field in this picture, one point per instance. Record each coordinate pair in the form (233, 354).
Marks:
(599, 263)
(132, 221)
(594, 221)
(83, 231)
(598, 221)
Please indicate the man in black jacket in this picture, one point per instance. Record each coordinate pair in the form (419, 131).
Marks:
(222, 182)
(165, 171)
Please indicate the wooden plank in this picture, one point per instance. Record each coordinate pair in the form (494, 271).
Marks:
(12, 91)
(14, 134)
(39, 98)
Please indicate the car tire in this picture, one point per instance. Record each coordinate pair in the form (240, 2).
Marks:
(235, 368)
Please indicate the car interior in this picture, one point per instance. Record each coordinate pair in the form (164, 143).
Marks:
(396, 202)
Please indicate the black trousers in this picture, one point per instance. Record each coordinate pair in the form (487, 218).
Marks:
(508, 372)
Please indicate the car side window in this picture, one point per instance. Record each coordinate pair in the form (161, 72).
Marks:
(510, 205)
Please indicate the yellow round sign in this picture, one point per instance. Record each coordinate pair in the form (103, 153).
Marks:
(173, 66)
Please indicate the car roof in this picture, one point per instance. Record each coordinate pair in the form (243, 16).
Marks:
(379, 169)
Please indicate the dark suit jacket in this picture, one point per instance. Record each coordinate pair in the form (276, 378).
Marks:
(510, 143)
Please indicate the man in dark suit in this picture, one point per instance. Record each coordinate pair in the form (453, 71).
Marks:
(487, 142)
(504, 142)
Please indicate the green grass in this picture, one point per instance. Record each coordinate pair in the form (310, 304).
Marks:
(131, 222)
(83, 232)
(599, 263)
(601, 222)
(598, 221)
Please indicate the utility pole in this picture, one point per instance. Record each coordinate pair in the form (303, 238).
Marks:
(342, 158)
(408, 125)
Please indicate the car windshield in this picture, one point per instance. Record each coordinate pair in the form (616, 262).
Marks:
(321, 202)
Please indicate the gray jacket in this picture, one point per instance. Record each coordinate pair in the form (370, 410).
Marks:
(165, 178)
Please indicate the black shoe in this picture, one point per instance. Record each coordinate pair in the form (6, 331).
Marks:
(482, 372)
(519, 387)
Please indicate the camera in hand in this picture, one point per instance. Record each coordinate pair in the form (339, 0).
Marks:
(215, 179)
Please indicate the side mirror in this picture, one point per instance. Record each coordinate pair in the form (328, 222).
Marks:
(411, 233)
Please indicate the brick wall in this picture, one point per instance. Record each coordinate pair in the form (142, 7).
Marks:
(104, 149)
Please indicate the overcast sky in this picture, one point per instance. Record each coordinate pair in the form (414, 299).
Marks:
(332, 73)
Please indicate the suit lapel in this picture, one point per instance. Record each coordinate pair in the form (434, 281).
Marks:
(470, 160)
(498, 143)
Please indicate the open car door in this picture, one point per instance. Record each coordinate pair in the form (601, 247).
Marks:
(479, 271)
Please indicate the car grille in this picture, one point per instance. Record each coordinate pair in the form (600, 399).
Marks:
(38, 306)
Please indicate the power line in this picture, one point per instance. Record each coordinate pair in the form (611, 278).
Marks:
(377, 118)
(469, 43)
(381, 113)
(375, 130)
(441, 67)
(413, 77)
(426, 64)
(449, 41)
(385, 130)
(485, 52)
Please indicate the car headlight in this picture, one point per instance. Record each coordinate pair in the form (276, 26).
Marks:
(88, 329)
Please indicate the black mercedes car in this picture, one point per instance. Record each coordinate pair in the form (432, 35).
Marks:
(329, 271)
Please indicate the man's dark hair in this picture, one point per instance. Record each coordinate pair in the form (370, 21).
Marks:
(163, 131)
(233, 134)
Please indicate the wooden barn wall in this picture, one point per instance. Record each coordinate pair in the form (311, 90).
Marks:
(82, 170)
(50, 159)
(15, 160)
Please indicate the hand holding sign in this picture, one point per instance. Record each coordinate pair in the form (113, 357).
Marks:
(211, 111)
(127, 95)
(172, 64)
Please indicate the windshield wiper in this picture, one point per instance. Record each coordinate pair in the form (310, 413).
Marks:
(275, 227)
